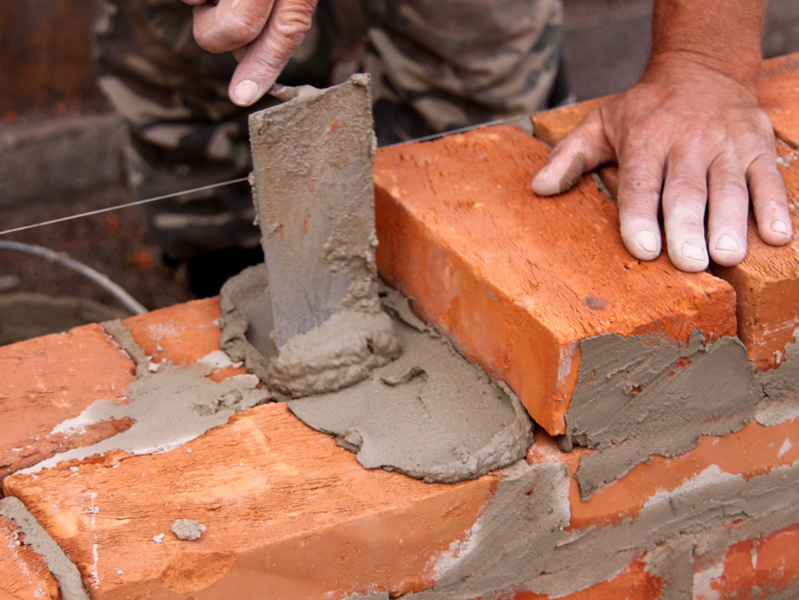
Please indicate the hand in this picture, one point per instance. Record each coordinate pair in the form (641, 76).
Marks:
(690, 137)
(273, 29)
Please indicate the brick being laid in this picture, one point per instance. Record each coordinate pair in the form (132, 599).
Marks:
(767, 284)
(520, 282)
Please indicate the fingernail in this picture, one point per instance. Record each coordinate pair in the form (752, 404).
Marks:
(727, 243)
(646, 240)
(245, 93)
(779, 226)
(694, 251)
(542, 182)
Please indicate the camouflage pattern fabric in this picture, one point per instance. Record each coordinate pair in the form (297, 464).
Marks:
(436, 65)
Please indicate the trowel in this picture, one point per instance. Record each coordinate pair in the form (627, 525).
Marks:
(313, 188)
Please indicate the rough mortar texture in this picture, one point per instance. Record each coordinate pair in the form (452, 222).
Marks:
(521, 541)
(169, 407)
(640, 396)
(428, 414)
(64, 570)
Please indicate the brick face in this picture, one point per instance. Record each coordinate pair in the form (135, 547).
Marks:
(752, 451)
(51, 379)
(633, 583)
(515, 287)
(23, 573)
(767, 284)
(751, 570)
(779, 84)
(284, 508)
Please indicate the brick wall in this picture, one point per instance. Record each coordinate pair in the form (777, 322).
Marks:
(648, 478)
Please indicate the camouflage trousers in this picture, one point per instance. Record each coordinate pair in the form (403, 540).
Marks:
(436, 65)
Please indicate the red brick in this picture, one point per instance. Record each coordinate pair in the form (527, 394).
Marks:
(777, 92)
(633, 583)
(518, 281)
(48, 380)
(23, 573)
(182, 334)
(754, 450)
(751, 570)
(767, 284)
(286, 510)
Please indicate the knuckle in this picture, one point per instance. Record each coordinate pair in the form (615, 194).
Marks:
(642, 184)
(685, 184)
(294, 23)
(238, 30)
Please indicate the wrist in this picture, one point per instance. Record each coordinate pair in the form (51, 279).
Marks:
(697, 66)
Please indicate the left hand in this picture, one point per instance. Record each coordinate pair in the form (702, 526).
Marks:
(687, 137)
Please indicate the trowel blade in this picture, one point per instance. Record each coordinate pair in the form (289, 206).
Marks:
(314, 194)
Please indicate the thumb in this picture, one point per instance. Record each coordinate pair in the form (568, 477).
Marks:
(584, 149)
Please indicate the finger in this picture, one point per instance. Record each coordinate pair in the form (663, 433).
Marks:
(194, 2)
(770, 201)
(728, 209)
(230, 24)
(584, 149)
(640, 184)
(268, 55)
(684, 203)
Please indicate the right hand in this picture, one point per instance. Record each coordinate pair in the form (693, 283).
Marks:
(273, 29)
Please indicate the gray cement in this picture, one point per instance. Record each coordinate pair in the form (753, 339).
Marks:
(520, 542)
(428, 414)
(637, 397)
(63, 569)
(779, 388)
(341, 352)
(188, 530)
(170, 406)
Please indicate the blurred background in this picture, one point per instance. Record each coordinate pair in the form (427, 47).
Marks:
(61, 147)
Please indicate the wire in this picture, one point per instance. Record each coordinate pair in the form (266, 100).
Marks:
(64, 260)
(100, 211)
(239, 180)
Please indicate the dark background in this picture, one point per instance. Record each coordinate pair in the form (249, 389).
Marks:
(61, 147)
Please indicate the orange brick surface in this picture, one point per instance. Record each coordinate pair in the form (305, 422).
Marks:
(633, 583)
(767, 284)
(181, 334)
(285, 509)
(754, 450)
(23, 573)
(753, 569)
(516, 287)
(51, 379)
(777, 92)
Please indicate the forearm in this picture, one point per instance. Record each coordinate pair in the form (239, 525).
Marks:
(724, 35)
